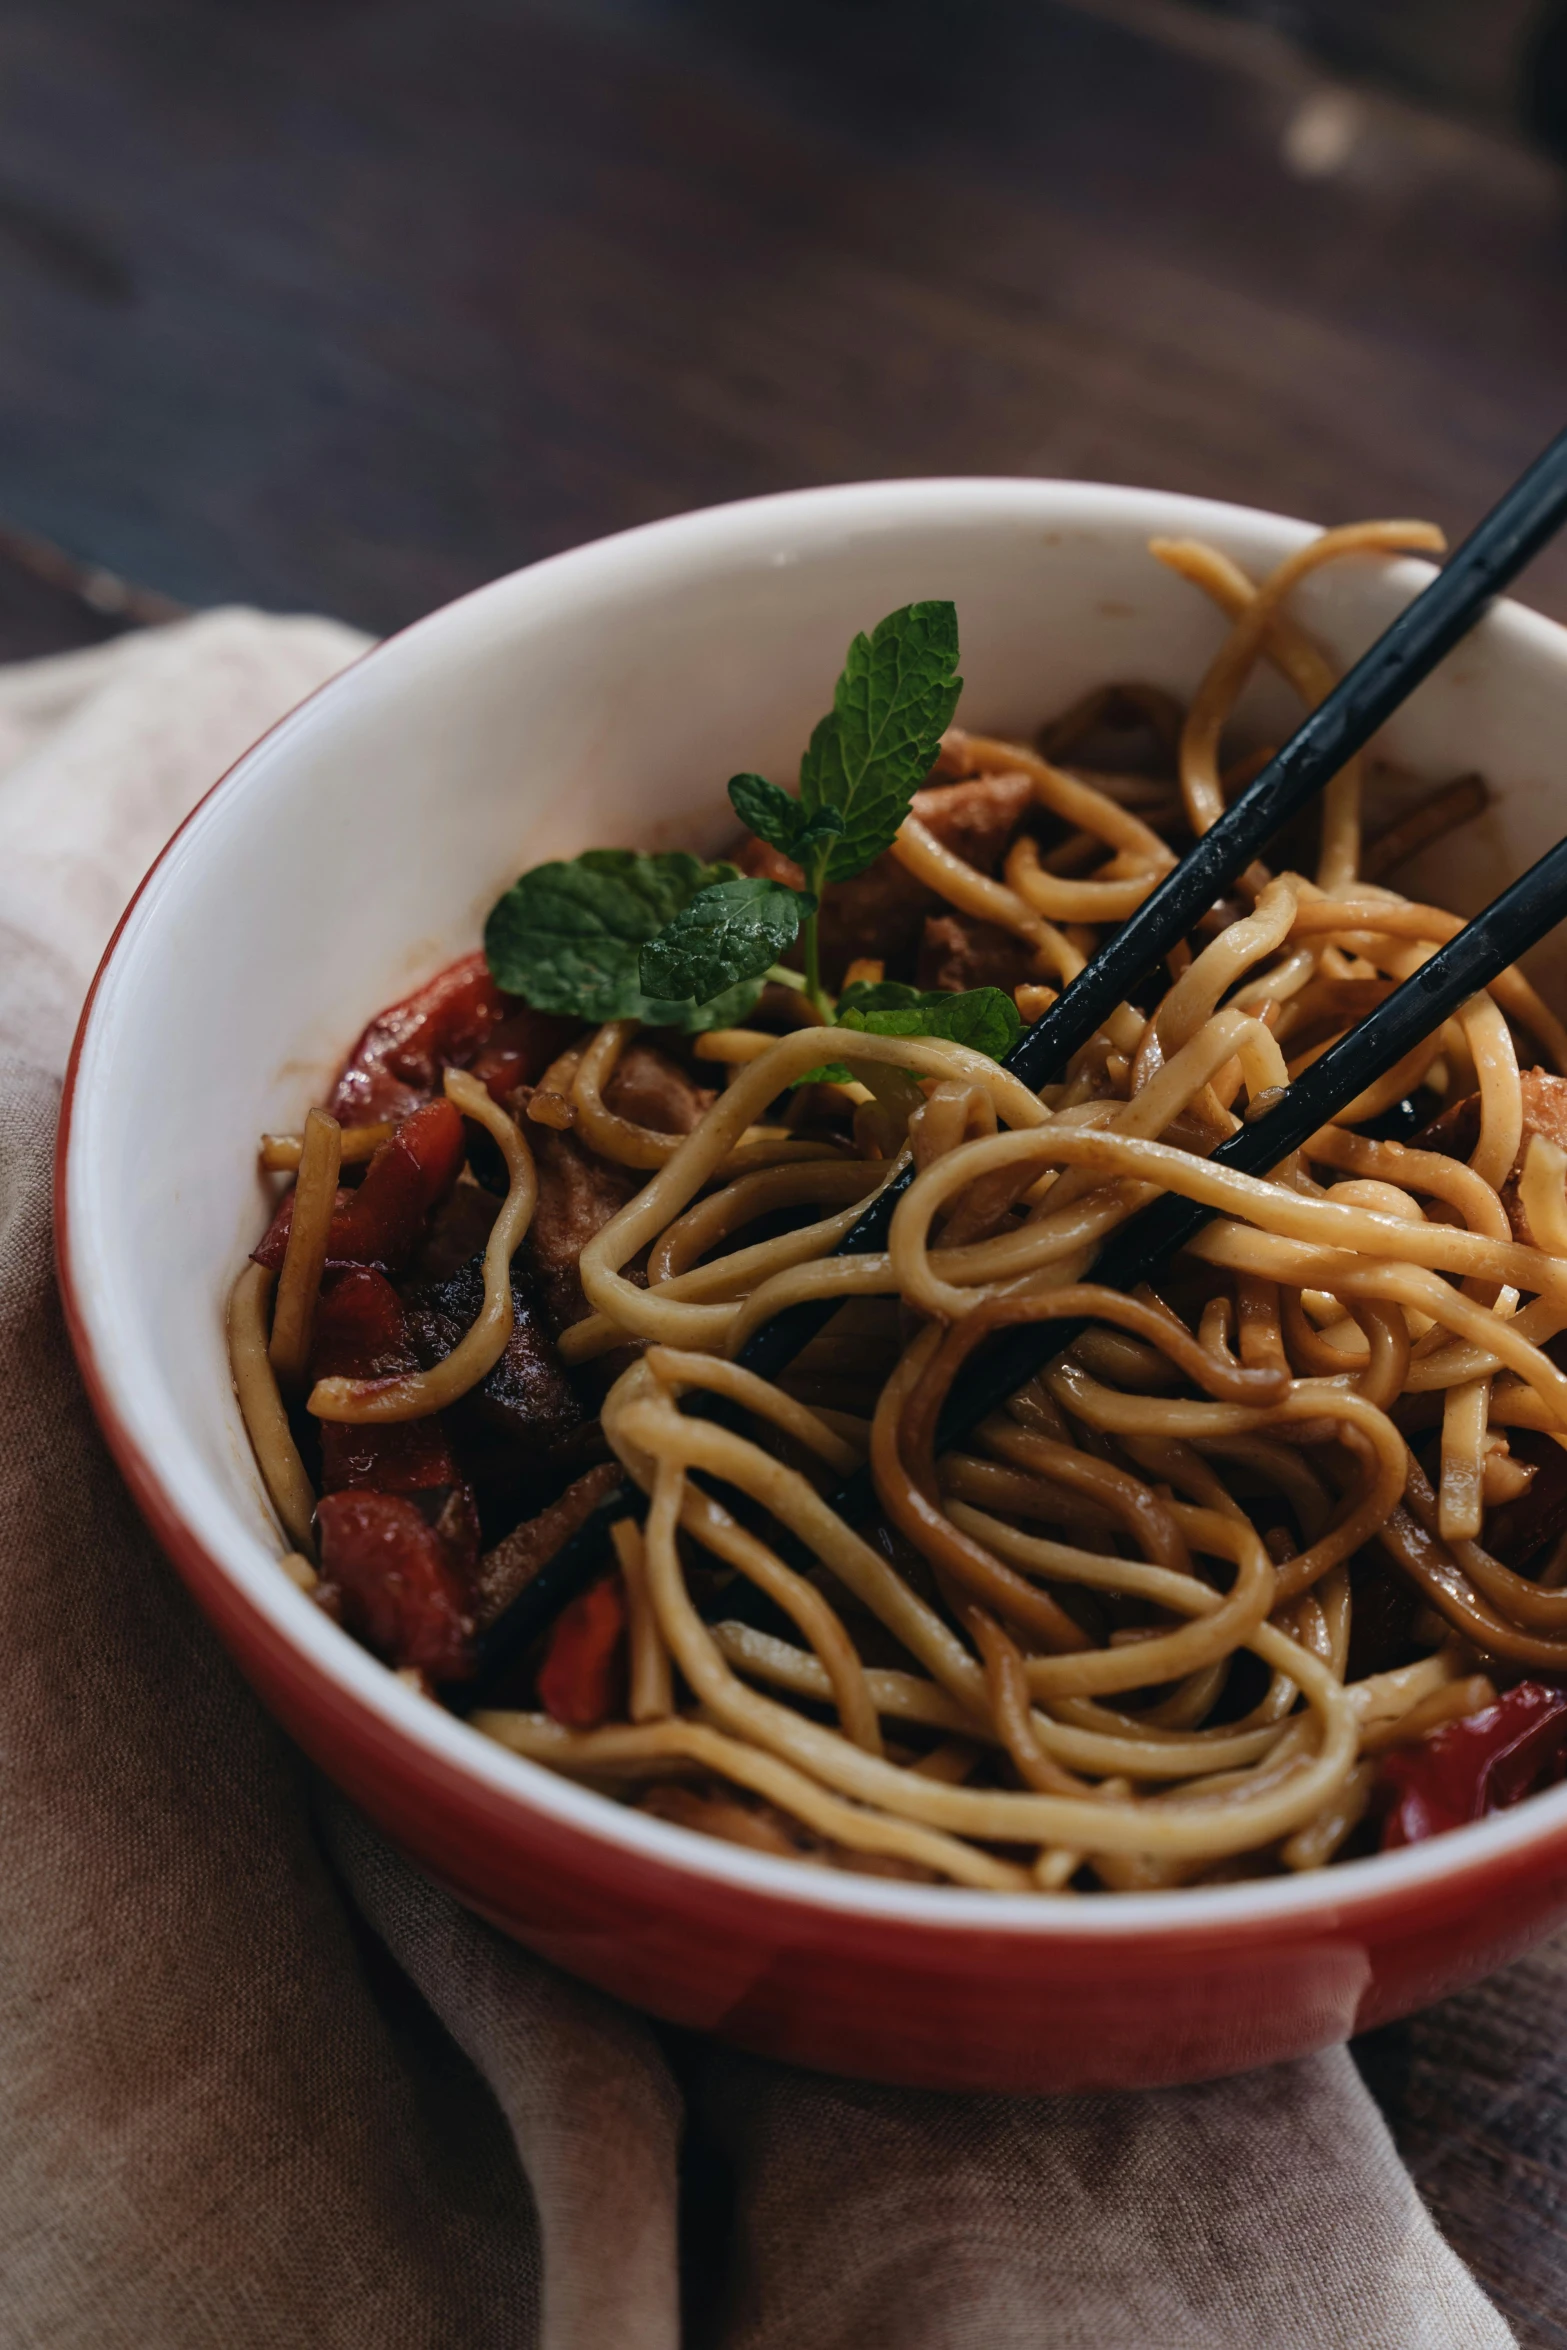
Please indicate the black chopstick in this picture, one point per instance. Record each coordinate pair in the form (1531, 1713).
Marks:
(1514, 531)
(1495, 938)
(1506, 929)
(1531, 513)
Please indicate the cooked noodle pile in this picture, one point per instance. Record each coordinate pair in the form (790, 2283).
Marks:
(1109, 1642)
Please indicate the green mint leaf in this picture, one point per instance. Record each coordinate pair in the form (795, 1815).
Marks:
(818, 832)
(830, 1073)
(728, 1010)
(885, 995)
(778, 818)
(891, 706)
(724, 936)
(568, 935)
(983, 1018)
(773, 814)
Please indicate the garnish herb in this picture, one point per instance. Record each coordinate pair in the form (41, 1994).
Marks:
(984, 1018)
(864, 763)
(569, 936)
(726, 937)
(677, 943)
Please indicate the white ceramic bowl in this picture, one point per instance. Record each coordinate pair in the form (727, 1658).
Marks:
(604, 697)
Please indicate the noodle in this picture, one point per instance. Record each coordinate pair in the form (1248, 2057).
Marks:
(281, 1153)
(1215, 697)
(612, 1136)
(266, 1421)
(304, 1259)
(651, 1696)
(1159, 1619)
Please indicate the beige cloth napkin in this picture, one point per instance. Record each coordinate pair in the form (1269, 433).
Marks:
(261, 2086)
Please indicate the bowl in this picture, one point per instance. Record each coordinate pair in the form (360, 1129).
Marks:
(604, 697)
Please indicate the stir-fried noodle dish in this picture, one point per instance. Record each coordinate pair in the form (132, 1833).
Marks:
(1268, 1569)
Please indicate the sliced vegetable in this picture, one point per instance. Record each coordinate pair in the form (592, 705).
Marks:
(580, 1679)
(397, 1063)
(408, 1177)
(520, 1049)
(362, 1333)
(1484, 1763)
(396, 1582)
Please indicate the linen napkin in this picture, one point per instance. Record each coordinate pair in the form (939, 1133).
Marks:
(263, 2086)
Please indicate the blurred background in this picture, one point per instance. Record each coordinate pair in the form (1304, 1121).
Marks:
(351, 304)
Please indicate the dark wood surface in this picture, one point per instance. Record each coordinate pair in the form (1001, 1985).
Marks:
(353, 303)
(350, 304)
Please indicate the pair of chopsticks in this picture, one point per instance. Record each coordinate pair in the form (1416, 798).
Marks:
(1530, 514)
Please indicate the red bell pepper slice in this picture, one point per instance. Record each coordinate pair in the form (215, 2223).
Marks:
(408, 1177)
(579, 1680)
(398, 1586)
(397, 1063)
(361, 1330)
(361, 1333)
(1484, 1763)
(520, 1049)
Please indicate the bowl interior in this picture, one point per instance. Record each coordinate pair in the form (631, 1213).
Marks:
(604, 698)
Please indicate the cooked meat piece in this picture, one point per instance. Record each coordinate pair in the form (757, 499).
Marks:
(958, 953)
(578, 1194)
(882, 910)
(977, 820)
(1457, 1131)
(649, 1088)
(511, 1566)
(781, 1008)
(523, 1426)
(878, 913)
(458, 1230)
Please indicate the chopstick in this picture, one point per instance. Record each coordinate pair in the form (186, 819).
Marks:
(1515, 530)
(1384, 677)
(1495, 938)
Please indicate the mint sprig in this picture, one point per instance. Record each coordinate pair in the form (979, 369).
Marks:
(726, 937)
(669, 940)
(569, 935)
(877, 744)
(984, 1018)
(782, 821)
(865, 761)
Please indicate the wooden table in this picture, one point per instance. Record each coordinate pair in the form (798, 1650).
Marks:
(350, 304)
